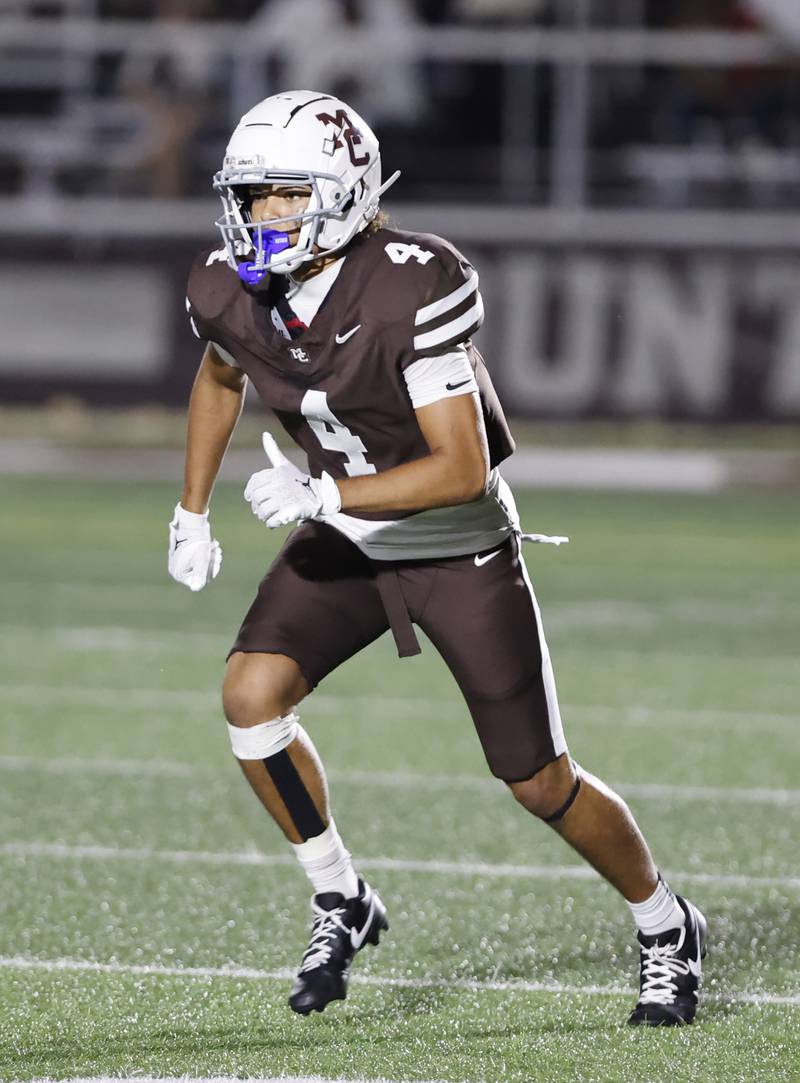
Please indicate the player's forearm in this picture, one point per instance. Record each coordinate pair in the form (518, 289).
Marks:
(437, 481)
(214, 410)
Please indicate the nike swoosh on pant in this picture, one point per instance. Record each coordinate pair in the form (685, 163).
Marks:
(480, 561)
(349, 334)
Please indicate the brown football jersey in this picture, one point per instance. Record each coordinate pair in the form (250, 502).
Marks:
(338, 388)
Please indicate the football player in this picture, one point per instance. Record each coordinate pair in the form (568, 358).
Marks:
(359, 337)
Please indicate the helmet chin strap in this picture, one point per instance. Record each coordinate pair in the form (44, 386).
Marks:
(268, 243)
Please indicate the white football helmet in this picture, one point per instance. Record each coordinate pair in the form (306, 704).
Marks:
(300, 137)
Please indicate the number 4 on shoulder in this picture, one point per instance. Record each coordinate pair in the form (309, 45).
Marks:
(402, 253)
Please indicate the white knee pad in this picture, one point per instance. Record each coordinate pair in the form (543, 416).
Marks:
(267, 739)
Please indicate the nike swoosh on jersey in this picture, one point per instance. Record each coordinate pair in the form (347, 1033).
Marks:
(454, 387)
(481, 560)
(348, 334)
(357, 936)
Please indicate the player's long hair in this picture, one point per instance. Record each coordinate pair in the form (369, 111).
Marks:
(380, 221)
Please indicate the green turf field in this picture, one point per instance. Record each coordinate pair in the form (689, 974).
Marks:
(151, 917)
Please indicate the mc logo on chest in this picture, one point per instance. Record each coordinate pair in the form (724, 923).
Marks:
(299, 355)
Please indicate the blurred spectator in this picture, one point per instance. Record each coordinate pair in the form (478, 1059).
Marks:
(499, 11)
(314, 37)
(731, 106)
(172, 92)
(781, 16)
(435, 11)
(700, 134)
(486, 12)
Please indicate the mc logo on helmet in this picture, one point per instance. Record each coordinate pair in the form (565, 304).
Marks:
(345, 130)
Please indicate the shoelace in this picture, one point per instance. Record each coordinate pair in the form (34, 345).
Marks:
(323, 933)
(659, 971)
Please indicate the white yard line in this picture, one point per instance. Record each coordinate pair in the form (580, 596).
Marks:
(251, 974)
(99, 599)
(650, 717)
(611, 468)
(70, 766)
(656, 790)
(230, 1079)
(396, 779)
(62, 851)
(611, 611)
(169, 700)
(124, 638)
(757, 796)
(106, 698)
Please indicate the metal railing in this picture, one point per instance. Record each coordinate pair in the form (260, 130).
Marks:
(60, 52)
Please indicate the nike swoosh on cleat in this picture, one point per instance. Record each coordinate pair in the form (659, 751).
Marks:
(480, 561)
(348, 334)
(695, 966)
(357, 936)
(455, 387)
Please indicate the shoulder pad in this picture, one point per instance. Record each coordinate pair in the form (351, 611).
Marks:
(425, 280)
(413, 270)
(212, 286)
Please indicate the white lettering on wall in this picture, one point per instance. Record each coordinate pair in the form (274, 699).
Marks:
(776, 284)
(677, 337)
(570, 381)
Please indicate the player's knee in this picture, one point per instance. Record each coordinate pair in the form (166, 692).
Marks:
(259, 688)
(547, 792)
(266, 739)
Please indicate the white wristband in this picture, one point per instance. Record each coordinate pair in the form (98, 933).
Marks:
(189, 520)
(331, 497)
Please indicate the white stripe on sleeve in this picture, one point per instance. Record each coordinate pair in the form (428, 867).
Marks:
(434, 378)
(472, 318)
(438, 308)
(225, 356)
(191, 319)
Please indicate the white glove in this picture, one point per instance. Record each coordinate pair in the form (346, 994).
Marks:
(283, 494)
(194, 556)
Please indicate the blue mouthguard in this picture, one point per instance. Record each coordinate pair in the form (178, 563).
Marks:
(268, 243)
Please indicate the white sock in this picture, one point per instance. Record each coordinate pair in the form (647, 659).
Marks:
(327, 863)
(658, 913)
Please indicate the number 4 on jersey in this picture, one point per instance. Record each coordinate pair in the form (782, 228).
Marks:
(402, 253)
(333, 435)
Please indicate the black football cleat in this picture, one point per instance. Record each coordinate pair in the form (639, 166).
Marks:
(670, 972)
(341, 928)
